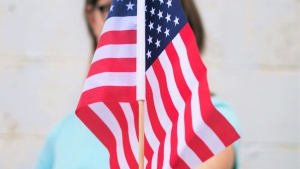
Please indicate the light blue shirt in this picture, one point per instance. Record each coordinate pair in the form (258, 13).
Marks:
(71, 145)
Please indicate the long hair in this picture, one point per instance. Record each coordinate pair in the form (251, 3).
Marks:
(94, 39)
(195, 21)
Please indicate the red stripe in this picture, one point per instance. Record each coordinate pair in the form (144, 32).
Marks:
(175, 160)
(192, 140)
(135, 108)
(108, 94)
(155, 124)
(148, 154)
(215, 120)
(118, 113)
(117, 37)
(101, 131)
(113, 65)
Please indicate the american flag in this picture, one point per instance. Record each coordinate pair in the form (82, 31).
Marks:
(182, 127)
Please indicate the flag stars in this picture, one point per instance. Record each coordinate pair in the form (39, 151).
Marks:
(161, 25)
(152, 11)
(160, 14)
(169, 3)
(148, 54)
(150, 39)
(168, 17)
(157, 43)
(151, 26)
(129, 6)
(167, 32)
(176, 21)
(112, 8)
(158, 29)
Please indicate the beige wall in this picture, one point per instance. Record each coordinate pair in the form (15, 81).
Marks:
(44, 51)
(252, 54)
(253, 59)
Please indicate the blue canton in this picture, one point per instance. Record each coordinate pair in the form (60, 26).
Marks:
(164, 20)
(123, 8)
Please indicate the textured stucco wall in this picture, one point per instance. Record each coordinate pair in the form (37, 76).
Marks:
(252, 54)
(253, 59)
(44, 51)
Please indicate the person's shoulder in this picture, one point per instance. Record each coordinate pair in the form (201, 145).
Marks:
(69, 119)
(65, 127)
(63, 123)
(220, 104)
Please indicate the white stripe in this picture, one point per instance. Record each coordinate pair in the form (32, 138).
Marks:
(108, 118)
(120, 23)
(199, 126)
(110, 79)
(162, 115)
(131, 129)
(145, 162)
(115, 51)
(183, 149)
(151, 138)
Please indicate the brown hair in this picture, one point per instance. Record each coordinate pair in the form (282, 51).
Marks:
(191, 13)
(195, 21)
(94, 39)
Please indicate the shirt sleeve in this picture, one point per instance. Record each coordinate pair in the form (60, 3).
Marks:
(46, 158)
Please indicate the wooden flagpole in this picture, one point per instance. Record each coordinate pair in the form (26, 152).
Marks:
(141, 134)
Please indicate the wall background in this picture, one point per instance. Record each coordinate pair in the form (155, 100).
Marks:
(252, 55)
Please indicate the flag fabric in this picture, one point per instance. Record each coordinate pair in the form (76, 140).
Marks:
(182, 127)
(107, 105)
